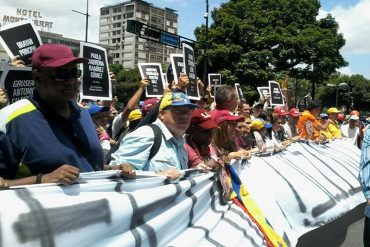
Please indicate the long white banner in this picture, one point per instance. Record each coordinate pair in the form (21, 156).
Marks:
(298, 190)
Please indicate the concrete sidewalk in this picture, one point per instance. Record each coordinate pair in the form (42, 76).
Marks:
(343, 232)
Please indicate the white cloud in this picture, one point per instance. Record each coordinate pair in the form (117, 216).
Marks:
(354, 23)
(345, 71)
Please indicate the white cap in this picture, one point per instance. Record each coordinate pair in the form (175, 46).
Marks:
(354, 117)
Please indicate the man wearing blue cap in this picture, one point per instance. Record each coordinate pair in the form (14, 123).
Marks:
(174, 118)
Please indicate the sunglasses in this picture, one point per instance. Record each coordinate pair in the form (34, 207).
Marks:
(65, 74)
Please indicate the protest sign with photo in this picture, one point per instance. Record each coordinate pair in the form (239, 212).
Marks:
(177, 66)
(153, 72)
(17, 81)
(239, 91)
(276, 97)
(189, 64)
(263, 91)
(96, 82)
(213, 80)
(20, 39)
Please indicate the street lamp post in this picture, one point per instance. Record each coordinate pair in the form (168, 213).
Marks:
(343, 84)
(87, 17)
(205, 73)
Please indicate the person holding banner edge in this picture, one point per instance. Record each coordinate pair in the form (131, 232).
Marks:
(48, 132)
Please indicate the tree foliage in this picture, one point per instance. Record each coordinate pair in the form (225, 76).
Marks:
(253, 41)
(127, 83)
(354, 95)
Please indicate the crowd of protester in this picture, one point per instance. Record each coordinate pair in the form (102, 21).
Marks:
(51, 138)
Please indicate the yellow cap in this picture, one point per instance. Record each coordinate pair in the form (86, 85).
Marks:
(135, 115)
(257, 124)
(332, 110)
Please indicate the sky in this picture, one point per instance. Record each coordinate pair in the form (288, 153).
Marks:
(352, 15)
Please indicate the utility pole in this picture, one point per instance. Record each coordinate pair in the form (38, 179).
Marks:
(87, 17)
(205, 73)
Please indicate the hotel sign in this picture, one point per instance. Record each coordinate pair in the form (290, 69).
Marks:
(24, 14)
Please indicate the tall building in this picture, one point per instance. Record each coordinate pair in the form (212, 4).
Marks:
(129, 48)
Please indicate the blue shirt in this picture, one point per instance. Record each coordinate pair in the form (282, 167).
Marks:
(135, 149)
(364, 175)
(33, 134)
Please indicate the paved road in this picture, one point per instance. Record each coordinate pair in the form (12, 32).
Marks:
(343, 232)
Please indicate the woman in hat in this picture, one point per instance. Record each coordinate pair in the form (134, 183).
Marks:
(201, 152)
(225, 136)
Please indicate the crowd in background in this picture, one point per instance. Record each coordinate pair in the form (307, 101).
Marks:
(161, 135)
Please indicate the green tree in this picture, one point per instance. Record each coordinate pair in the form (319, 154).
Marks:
(353, 92)
(115, 68)
(128, 81)
(253, 41)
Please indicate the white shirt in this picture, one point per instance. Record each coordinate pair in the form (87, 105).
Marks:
(350, 135)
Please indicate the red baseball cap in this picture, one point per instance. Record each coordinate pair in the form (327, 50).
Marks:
(280, 111)
(225, 115)
(294, 112)
(148, 105)
(202, 118)
(53, 56)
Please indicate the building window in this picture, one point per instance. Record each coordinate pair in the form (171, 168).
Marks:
(116, 10)
(117, 24)
(130, 7)
(129, 15)
(104, 12)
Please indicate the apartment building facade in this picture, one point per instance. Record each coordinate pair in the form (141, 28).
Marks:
(129, 49)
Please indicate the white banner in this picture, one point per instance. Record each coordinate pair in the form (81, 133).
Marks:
(298, 190)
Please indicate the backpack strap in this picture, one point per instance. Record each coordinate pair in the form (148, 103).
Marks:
(157, 140)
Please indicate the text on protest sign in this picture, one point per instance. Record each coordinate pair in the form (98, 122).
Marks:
(18, 82)
(153, 72)
(276, 97)
(177, 65)
(96, 83)
(189, 64)
(20, 39)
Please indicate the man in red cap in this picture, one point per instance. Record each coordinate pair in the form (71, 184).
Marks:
(49, 132)
(290, 126)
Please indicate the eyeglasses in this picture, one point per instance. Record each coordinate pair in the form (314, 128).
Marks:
(279, 122)
(62, 74)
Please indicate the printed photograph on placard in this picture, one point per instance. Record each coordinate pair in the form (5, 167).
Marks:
(96, 83)
(20, 39)
(239, 91)
(152, 72)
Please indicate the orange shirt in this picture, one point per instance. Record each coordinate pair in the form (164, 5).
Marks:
(307, 116)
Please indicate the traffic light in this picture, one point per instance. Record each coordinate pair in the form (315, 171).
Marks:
(134, 26)
(152, 33)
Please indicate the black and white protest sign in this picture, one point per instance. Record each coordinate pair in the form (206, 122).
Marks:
(153, 72)
(96, 82)
(276, 97)
(169, 75)
(18, 82)
(177, 66)
(239, 91)
(20, 39)
(189, 64)
(214, 80)
(263, 91)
